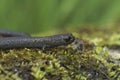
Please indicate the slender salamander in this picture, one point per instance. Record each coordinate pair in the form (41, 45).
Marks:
(16, 40)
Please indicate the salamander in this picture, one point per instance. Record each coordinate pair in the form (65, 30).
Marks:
(17, 40)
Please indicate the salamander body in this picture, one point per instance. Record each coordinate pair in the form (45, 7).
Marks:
(16, 40)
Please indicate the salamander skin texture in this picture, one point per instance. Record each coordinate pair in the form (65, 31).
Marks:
(36, 42)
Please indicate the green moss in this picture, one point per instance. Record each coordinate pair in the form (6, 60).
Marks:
(72, 62)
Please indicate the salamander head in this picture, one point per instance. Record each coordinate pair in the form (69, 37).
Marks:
(68, 38)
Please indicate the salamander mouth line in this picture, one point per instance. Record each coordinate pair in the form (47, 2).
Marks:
(17, 40)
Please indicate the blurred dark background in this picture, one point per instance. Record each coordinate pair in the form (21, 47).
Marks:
(34, 16)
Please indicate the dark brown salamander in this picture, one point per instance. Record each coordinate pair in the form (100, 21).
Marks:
(12, 41)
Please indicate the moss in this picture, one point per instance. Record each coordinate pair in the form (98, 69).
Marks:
(85, 59)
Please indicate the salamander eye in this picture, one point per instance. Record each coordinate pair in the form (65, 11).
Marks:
(70, 38)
